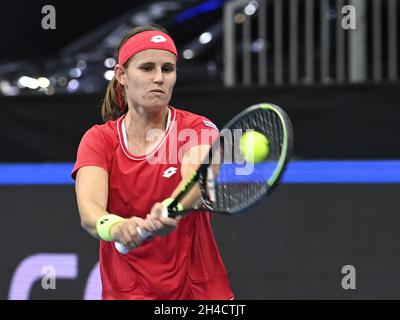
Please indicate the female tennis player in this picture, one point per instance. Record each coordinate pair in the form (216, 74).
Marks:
(130, 167)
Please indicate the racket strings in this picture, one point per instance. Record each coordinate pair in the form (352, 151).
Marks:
(234, 187)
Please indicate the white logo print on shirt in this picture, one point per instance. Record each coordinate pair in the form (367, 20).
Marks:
(158, 39)
(169, 172)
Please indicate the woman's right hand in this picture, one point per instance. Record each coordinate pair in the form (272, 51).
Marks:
(127, 233)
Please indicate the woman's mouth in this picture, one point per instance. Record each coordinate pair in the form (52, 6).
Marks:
(157, 91)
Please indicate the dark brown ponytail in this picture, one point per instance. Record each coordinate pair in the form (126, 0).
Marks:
(111, 109)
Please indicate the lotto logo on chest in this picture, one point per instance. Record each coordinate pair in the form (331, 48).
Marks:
(169, 172)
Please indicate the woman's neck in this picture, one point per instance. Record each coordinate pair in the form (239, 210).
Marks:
(138, 122)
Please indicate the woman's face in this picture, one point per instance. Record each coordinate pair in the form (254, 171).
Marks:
(149, 78)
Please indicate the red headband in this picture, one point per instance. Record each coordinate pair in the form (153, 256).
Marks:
(143, 41)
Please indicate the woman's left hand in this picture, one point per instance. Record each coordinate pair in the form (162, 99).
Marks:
(157, 223)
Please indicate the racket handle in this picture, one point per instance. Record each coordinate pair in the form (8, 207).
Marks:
(121, 248)
(144, 235)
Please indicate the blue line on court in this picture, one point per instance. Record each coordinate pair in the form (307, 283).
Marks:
(380, 171)
(29, 173)
(297, 172)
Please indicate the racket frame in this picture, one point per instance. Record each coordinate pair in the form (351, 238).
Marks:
(272, 181)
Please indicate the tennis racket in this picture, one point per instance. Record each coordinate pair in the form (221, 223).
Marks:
(228, 183)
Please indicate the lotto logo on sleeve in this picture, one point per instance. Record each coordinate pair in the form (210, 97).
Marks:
(158, 39)
(209, 124)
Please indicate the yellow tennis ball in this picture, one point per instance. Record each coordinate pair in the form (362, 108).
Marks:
(254, 146)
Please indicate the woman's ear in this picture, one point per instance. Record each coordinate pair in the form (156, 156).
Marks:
(120, 74)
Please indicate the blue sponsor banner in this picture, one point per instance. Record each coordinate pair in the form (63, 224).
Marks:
(312, 172)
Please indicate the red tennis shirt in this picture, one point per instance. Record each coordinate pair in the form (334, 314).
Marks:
(185, 264)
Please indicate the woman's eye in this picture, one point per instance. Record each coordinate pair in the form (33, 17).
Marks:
(169, 69)
(146, 68)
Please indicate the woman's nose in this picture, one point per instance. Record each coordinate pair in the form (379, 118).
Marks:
(158, 76)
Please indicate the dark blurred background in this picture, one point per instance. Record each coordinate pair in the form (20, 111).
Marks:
(340, 87)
